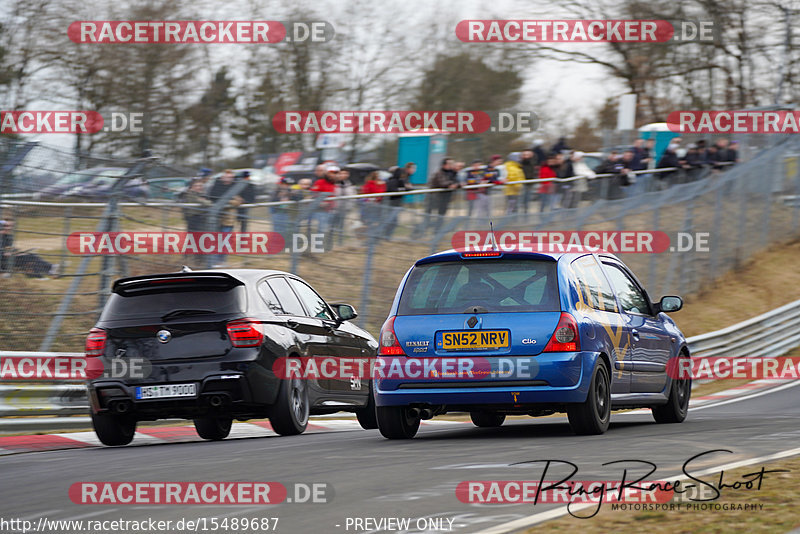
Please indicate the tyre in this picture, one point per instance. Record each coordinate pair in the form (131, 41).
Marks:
(213, 428)
(487, 419)
(368, 415)
(593, 415)
(290, 413)
(677, 406)
(113, 429)
(397, 422)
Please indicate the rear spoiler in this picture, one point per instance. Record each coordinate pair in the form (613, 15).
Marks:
(160, 283)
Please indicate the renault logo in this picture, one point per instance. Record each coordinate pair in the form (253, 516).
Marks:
(164, 336)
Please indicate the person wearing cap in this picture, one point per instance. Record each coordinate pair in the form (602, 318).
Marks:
(514, 173)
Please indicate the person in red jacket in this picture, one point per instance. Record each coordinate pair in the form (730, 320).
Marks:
(547, 190)
(325, 186)
(371, 207)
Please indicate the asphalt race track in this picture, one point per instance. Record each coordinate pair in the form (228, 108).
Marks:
(375, 478)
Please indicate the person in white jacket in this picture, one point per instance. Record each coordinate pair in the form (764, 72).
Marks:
(580, 168)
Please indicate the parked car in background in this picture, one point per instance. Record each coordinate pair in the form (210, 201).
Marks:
(101, 187)
(167, 188)
(77, 179)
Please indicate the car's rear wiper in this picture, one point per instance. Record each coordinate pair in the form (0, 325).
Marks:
(182, 313)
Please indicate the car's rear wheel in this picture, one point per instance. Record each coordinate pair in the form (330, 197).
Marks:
(487, 419)
(677, 406)
(368, 415)
(113, 429)
(397, 422)
(213, 428)
(593, 415)
(290, 413)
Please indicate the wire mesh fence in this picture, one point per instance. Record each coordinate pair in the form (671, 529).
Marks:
(353, 249)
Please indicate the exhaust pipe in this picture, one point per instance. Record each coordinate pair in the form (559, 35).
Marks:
(215, 401)
(426, 413)
(413, 412)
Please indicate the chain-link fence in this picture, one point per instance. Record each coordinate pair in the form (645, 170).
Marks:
(353, 249)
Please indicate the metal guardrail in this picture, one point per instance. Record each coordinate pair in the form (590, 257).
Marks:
(36, 406)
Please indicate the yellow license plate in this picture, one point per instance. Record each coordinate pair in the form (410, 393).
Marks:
(482, 339)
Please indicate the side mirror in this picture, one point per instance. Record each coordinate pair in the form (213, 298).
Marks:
(670, 303)
(345, 311)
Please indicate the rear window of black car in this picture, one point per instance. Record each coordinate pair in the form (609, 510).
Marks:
(157, 304)
(495, 285)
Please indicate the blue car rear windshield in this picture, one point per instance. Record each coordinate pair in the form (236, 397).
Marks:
(495, 285)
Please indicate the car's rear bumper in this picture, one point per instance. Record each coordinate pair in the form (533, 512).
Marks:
(236, 384)
(544, 379)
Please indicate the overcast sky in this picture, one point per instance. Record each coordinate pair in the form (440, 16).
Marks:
(568, 91)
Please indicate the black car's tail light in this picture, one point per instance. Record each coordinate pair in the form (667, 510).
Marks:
(245, 333)
(389, 345)
(565, 338)
(95, 343)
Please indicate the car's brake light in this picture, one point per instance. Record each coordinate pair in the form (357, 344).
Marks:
(390, 346)
(488, 254)
(245, 333)
(565, 338)
(95, 343)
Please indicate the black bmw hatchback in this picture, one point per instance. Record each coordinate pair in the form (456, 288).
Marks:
(204, 345)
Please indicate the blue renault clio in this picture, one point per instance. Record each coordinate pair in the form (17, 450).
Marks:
(500, 333)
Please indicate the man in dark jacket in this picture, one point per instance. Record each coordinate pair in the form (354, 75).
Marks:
(445, 178)
(530, 168)
(248, 195)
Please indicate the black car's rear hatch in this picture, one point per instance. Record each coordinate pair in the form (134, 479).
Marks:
(175, 316)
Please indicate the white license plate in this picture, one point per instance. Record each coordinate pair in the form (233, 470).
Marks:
(166, 391)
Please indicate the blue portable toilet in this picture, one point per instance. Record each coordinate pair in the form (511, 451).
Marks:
(426, 150)
(661, 133)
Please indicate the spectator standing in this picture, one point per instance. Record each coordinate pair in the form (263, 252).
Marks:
(282, 213)
(561, 145)
(395, 183)
(474, 176)
(566, 190)
(529, 165)
(248, 195)
(514, 173)
(547, 189)
(371, 214)
(444, 178)
(195, 216)
(326, 185)
(227, 215)
(581, 169)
